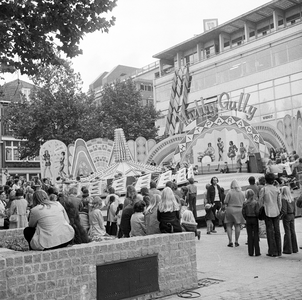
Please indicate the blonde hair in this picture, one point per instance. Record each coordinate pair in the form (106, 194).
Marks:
(235, 185)
(188, 217)
(168, 202)
(154, 201)
(249, 194)
(286, 194)
(96, 202)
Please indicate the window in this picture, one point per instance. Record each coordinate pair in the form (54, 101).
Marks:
(210, 51)
(263, 31)
(237, 41)
(280, 54)
(12, 150)
(146, 87)
(293, 19)
(25, 92)
(280, 23)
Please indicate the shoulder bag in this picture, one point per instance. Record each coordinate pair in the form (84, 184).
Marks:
(262, 214)
(14, 217)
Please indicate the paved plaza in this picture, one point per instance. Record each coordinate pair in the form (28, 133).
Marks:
(229, 273)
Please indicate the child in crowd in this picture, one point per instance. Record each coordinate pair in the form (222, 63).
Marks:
(250, 212)
(138, 225)
(118, 214)
(188, 223)
(111, 227)
(290, 244)
(97, 231)
(183, 207)
(209, 217)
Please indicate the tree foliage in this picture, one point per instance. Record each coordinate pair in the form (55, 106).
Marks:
(33, 32)
(121, 108)
(57, 110)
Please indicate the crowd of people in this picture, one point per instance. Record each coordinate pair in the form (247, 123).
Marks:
(265, 201)
(287, 167)
(52, 219)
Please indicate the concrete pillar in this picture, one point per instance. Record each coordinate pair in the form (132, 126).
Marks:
(275, 20)
(276, 13)
(246, 32)
(161, 65)
(199, 51)
(247, 29)
(221, 42)
(178, 57)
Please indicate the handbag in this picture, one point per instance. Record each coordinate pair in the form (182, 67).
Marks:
(13, 219)
(262, 214)
(299, 202)
(220, 214)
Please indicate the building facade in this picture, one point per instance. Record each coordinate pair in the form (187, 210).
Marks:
(142, 77)
(10, 162)
(249, 67)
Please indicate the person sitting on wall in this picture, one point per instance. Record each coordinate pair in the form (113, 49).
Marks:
(49, 226)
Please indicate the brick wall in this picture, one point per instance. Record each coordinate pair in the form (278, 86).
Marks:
(70, 273)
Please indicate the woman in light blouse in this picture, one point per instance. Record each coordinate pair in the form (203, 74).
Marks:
(233, 213)
(49, 226)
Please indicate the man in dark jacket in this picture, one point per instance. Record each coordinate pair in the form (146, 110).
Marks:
(214, 198)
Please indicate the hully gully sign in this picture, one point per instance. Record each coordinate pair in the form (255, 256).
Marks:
(223, 103)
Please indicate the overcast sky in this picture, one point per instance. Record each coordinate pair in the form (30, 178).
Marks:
(144, 28)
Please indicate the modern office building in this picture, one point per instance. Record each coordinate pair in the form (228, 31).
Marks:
(249, 67)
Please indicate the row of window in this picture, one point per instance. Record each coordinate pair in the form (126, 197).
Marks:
(12, 151)
(267, 28)
(275, 98)
(146, 87)
(269, 58)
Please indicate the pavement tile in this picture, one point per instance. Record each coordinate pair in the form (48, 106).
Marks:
(247, 277)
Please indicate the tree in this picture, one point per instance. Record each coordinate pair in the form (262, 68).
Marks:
(57, 110)
(121, 108)
(33, 32)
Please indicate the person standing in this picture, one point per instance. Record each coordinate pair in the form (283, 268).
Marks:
(168, 213)
(192, 194)
(290, 244)
(253, 187)
(220, 147)
(233, 212)
(111, 226)
(269, 197)
(153, 190)
(18, 211)
(214, 198)
(152, 224)
(250, 212)
(137, 221)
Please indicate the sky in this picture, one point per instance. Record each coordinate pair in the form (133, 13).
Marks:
(144, 28)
